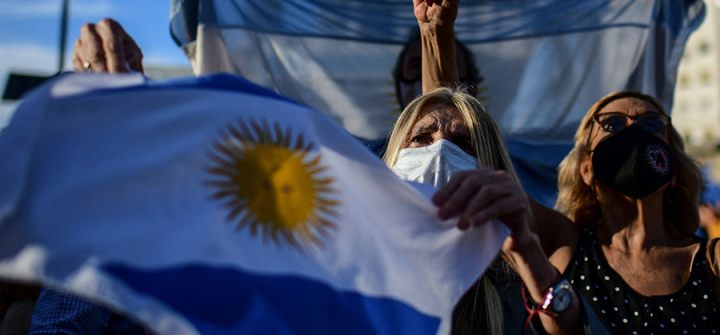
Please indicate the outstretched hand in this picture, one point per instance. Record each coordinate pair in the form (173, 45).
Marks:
(106, 47)
(481, 195)
(436, 13)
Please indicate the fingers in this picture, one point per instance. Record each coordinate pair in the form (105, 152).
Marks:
(490, 193)
(90, 49)
(485, 201)
(431, 2)
(481, 195)
(133, 55)
(444, 193)
(106, 47)
(511, 209)
(470, 184)
(112, 36)
(77, 63)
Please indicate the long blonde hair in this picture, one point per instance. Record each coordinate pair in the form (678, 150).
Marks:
(480, 310)
(578, 200)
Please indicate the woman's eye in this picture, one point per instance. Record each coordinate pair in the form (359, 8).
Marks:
(418, 139)
(614, 126)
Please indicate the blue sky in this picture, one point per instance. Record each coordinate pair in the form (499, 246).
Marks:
(30, 33)
(34, 25)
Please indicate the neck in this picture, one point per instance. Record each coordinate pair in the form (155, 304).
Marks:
(632, 224)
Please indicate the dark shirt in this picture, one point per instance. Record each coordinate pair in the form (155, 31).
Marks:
(57, 313)
(691, 310)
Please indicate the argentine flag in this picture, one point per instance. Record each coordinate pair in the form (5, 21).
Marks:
(213, 206)
(541, 64)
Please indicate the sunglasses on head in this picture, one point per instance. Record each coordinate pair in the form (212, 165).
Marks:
(614, 122)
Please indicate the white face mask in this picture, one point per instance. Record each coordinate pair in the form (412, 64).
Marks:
(433, 164)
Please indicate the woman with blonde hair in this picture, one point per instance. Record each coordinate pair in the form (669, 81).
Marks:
(632, 193)
(447, 139)
(490, 152)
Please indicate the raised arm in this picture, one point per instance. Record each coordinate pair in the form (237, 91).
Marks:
(436, 19)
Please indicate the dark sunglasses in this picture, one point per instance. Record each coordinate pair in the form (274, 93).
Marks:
(614, 122)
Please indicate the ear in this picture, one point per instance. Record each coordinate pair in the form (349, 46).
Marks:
(586, 170)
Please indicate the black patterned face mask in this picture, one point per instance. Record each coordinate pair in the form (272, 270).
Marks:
(633, 162)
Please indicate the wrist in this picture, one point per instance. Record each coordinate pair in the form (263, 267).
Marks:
(539, 302)
(428, 29)
(522, 243)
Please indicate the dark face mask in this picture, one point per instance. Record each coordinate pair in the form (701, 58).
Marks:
(633, 162)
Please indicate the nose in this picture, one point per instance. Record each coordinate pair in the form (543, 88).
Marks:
(441, 135)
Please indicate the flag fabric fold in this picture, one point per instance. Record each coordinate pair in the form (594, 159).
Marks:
(211, 205)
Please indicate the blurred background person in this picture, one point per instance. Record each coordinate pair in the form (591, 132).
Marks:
(709, 207)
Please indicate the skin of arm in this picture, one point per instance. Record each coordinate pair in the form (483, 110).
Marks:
(437, 33)
(558, 235)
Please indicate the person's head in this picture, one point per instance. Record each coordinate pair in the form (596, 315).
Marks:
(455, 116)
(577, 182)
(408, 70)
(451, 114)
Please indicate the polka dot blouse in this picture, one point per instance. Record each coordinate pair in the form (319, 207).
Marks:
(691, 310)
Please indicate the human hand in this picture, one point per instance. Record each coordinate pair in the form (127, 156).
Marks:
(106, 47)
(436, 13)
(481, 195)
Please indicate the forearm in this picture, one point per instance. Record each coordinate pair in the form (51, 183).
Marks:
(439, 59)
(538, 274)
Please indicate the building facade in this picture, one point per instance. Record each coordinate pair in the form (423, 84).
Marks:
(696, 107)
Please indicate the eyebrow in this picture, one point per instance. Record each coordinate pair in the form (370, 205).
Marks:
(625, 113)
(460, 131)
(461, 134)
(425, 129)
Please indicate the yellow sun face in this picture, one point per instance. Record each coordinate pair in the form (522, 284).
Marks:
(272, 183)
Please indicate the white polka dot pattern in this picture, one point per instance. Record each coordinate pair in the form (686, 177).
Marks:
(624, 311)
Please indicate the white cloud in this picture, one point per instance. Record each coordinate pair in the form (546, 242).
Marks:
(25, 59)
(28, 57)
(24, 9)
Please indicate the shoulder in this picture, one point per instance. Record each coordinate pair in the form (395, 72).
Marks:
(558, 235)
(712, 254)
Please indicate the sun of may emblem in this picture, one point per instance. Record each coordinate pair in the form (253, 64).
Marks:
(274, 184)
